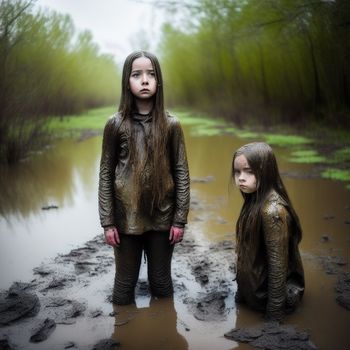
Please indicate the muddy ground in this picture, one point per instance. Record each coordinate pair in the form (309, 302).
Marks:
(75, 289)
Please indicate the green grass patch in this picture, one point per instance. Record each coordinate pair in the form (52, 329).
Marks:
(342, 155)
(286, 140)
(203, 126)
(206, 126)
(188, 118)
(94, 119)
(336, 174)
(335, 135)
(247, 134)
(306, 156)
(205, 131)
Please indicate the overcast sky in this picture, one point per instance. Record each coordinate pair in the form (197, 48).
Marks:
(118, 26)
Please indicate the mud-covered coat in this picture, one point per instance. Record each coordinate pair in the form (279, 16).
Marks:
(129, 208)
(270, 274)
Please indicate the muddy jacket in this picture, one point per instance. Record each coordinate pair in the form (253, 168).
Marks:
(270, 274)
(127, 207)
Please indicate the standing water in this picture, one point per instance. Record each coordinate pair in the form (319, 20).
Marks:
(48, 207)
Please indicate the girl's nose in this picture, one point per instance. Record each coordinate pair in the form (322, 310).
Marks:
(144, 79)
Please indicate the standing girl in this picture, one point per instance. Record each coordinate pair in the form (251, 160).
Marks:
(270, 274)
(144, 181)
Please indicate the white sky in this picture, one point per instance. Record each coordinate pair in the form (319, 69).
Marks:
(117, 26)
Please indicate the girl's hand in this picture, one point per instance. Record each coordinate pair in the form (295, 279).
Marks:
(112, 236)
(176, 234)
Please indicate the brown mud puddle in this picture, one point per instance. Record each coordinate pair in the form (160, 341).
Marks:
(67, 304)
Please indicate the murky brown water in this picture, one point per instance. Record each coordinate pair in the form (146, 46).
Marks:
(67, 176)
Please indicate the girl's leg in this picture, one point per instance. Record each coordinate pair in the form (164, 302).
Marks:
(127, 266)
(159, 252)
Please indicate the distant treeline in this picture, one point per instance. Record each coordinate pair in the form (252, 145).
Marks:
(266, 60)
(46, 68)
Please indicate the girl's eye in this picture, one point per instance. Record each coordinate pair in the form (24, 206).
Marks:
(236, 172)
(135, 75)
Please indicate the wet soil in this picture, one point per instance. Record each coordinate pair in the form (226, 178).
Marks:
(29, 312)
(272, 336)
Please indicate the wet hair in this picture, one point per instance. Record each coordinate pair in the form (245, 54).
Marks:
(156, 143)
(263, 164)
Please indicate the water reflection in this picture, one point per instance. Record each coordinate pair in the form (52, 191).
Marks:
(66, 176)
(48, 178)
(153, 327)
(26, 187)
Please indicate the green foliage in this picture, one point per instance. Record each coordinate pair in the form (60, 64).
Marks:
(271, 59)
(46, 68)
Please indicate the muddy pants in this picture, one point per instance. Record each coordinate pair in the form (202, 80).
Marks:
(128, 255)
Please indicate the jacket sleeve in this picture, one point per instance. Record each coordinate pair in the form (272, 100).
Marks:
(108, 164)
(275, 228)
(180, 174)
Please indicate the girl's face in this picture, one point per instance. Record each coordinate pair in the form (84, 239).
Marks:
(244, 178)
(142, 80)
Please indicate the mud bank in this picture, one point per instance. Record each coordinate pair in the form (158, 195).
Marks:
(34, 313)
(272, 336)
(203, 276)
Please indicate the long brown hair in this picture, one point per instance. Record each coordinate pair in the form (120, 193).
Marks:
(263, 164)
(156, 143)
